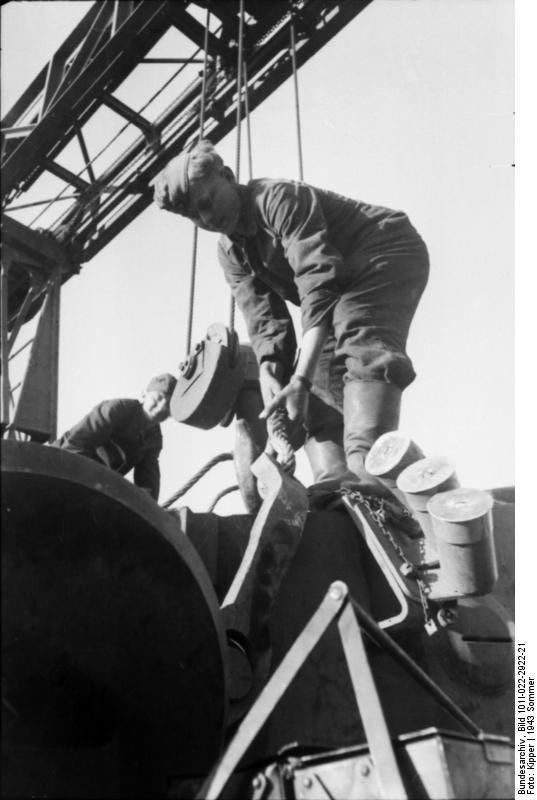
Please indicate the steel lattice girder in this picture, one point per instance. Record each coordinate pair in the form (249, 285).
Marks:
(98, 56)
(30, 255)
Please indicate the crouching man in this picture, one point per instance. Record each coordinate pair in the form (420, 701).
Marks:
(357, 271)
(124, 434)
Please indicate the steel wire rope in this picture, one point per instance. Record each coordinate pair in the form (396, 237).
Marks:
(279, 427)
(247, 117)
(195, 235)
(238, 124)
(196, 477)
(118, 134)
(295, 82)
(220, 495)
(49, 200)
(223, 456)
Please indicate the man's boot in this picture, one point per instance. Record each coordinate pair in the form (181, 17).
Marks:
(250, 431)
(329, 468)
(325, 453)
(370, 408)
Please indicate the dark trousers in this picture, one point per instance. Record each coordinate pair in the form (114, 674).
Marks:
(370, 326)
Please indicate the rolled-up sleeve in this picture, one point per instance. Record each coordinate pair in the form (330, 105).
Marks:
(294, 213)
(268, 321)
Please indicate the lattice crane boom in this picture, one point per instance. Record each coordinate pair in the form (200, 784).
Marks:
(85, 78)
(106, 46)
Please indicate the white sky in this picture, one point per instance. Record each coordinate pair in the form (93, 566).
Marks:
(410, 106)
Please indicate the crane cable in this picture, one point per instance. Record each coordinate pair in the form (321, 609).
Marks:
(295, 82)
(220, 495)
(278, 422)
(279, 427)
(238, 124)
(223, 456)
(195, 235)
(195, 478)
(247, 116)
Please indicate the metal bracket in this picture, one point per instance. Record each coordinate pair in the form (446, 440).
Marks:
(37, 406)
(404, 589)
(273, 691)
(273, 541)
(352, 620)
(335, 605)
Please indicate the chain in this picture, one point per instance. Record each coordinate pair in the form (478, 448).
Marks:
(379, 511)
(423, 589)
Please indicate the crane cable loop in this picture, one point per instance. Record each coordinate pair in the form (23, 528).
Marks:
(196, 477)
(278, 430)
(222, 494)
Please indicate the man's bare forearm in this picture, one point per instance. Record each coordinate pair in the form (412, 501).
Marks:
(312, 344)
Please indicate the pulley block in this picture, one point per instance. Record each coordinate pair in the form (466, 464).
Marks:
(209, 380)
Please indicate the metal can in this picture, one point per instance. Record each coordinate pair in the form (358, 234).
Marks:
(422, 480)
(462, 523)
(389, 456)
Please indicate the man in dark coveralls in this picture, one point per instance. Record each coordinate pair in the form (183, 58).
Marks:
(356, 270)
(125, 434)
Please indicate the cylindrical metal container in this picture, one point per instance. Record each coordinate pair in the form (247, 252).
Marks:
(422, 480)
(389, 456)
(113, 656)
(462, 523)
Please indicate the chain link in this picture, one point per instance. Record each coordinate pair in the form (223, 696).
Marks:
(379, 511)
